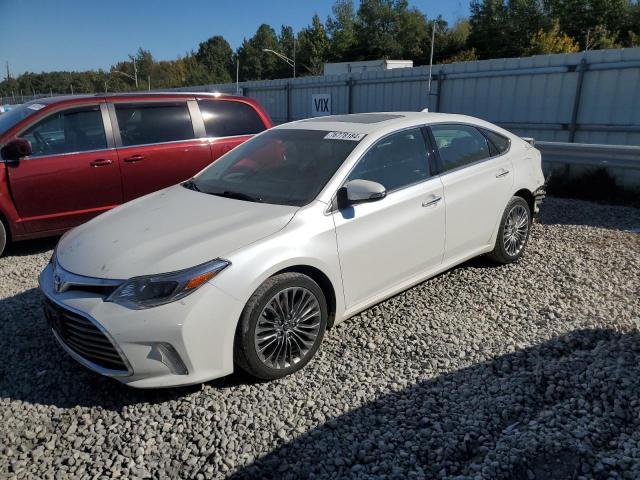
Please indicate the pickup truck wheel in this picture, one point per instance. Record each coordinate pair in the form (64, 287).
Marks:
(513, 232)
(281, 327)
(3, 237)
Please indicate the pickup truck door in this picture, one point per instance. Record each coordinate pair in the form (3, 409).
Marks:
(73, 173)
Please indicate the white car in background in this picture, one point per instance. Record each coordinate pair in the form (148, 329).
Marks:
(248, 263)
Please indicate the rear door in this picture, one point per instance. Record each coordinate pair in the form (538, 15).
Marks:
(157, 144)
(73, 173)
(477, 182)
(228, 123)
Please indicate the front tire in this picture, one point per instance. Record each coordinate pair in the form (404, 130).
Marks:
(281, 326)
(3, 237)
(513, 233)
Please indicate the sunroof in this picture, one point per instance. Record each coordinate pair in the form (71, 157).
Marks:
(356, 118)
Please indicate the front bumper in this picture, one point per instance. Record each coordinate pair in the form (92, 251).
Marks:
(181, 343)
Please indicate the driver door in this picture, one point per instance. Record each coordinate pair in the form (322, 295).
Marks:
(73, 173)
(387, 243)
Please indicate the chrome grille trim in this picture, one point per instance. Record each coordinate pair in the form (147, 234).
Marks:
(87, 342)
(65, 280)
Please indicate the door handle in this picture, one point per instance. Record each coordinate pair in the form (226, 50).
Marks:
(502, 173)
(134, 158)
(434, 201)
(101, 162)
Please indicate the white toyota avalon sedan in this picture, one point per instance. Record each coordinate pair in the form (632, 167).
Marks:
(248, 263)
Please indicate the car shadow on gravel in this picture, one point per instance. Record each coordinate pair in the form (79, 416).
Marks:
(30, 247)
(565, 408)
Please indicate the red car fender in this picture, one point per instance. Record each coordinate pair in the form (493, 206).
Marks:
(8, 211)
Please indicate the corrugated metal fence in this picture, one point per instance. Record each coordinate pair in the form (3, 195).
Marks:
(587, 97)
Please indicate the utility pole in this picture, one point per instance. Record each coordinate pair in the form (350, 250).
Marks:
(433, 39)
(294, 54)
(8, 72)
(149, 82)
(237, 75)
(135, 71)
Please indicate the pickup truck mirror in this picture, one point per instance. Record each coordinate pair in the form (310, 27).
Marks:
(16, 149)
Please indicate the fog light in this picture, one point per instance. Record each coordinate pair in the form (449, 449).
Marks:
(165, 353)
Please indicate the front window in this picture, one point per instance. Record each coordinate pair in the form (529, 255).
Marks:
(11, 118)
(74, 130)
(285, 167)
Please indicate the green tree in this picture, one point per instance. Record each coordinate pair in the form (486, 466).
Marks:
(413, 34)
(377, 29)
(255, 63)
(216, 56)
(313, 47)
(585, 20)
(552, 41)
(341, 28)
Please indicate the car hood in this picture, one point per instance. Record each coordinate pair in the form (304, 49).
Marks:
(169, 230)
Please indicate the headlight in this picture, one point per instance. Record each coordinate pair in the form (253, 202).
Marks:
(154, 290)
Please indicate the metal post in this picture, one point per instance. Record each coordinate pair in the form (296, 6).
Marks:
(288, 95)
(433, 39)
(576, 100)
(440, 83)
(350, 95)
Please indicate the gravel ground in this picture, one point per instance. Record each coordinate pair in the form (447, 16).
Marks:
(527, 371)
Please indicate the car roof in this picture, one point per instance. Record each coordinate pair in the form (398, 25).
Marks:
(380, 123)
(65, 98)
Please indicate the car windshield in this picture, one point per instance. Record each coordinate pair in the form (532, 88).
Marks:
(280, 166)
(13, 116)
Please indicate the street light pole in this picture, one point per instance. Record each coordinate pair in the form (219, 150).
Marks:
(291, 63)
(433, 38)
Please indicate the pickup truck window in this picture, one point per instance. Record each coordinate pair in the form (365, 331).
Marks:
(225, 118)
(148, 123)
(68, 131)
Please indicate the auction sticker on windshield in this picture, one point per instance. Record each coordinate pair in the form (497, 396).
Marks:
(36, 106)
(355, 137)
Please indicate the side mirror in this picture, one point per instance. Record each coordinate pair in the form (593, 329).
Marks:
(360, 191)
(16, 149)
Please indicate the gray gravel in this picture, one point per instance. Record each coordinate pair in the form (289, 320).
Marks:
(527, 371)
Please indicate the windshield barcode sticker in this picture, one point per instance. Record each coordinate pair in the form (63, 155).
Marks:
(36, 106)
(354, 137)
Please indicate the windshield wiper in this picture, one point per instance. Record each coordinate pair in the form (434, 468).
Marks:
(191, 185)
(238, 196)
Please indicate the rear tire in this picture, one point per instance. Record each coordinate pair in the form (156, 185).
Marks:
(281, 326)
(513, 233)
(3, 237)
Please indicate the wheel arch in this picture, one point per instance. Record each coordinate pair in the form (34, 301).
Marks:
(323, 282)
(528, 197)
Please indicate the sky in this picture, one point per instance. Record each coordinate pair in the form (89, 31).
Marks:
(46, 35)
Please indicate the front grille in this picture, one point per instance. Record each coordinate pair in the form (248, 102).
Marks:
(83, 337)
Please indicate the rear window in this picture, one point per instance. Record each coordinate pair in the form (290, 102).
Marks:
(142, 124)
(500, 142)
(225, 118)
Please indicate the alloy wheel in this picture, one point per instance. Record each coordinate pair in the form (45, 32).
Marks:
(516, 230)
(287, 327)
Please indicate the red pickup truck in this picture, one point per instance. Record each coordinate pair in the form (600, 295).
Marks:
(64, 160)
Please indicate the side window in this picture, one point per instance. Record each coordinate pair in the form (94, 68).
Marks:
(225, 118)
(75, 130)
(459, 145)
(146, 123)
(395, 161)
(500, 142)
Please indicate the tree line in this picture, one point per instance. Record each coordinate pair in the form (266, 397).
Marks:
(375, 29)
